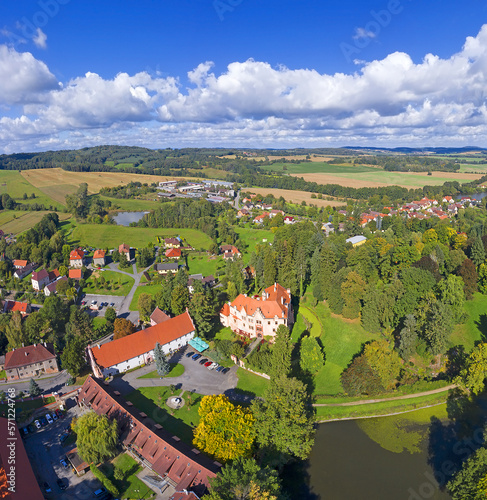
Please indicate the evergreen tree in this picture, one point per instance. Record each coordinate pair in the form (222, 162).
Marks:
(281, 353)
(73, 356)
(438, 326)
(408, 337)
(179, 299)
(370, 310)
(477, 252)
(34, 389)
(311, 357)
(162, 365)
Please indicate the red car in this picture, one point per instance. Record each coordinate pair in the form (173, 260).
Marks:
(59, 413)
(208, 363)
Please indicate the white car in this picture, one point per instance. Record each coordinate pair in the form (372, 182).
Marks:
(212, 366)
(49, 418)
(37, 424)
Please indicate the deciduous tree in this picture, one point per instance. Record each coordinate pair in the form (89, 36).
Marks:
(310, 355)
(73, 356)
(96, 437)
(122, 327)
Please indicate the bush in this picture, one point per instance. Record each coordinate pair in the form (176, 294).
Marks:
(104, 480)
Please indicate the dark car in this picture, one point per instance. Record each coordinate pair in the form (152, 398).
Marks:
(203, 361)
(59, 413)
(225, 370)
(43, 421)
(25, 431)
(196, 356)
(219, 369)
(61, 484)
(47, 488)
(64, 463)
(189, 354)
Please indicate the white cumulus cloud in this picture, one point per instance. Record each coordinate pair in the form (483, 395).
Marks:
(40, 39)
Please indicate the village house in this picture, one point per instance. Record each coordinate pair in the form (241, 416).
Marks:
(181, 466)
(77, 258)
(166, 268)
(259, 316)
(40, 279)
(230, 252)
(137, 349)
(23, 308)
(209, 281)
(289, 220)
(75, 274)
(30, 361)
(259, 219)
(125, 250)
(19, 264)
(172, 242)
(51, 289)
(99, 258)
(22, 272)
(158, 316)
(173, 253)
(273, 213)
(356, 241)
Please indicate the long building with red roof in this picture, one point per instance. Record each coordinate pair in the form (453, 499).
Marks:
(259, 316)
(183, 467)
(137, 349)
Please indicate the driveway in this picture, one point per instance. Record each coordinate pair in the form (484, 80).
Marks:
(196, 378)
(45, 452)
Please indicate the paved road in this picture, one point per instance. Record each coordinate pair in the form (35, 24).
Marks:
(56, 383)
(196, 378)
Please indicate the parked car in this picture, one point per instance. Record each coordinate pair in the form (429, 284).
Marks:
(59, 413)
(112, 304)
(47, 488)
(208, 363)
(219, 369)
(49, 418)
(37, 424)
(189, 354)
(25, 431)
(43, 421)
(64, 463)
(100, 493)
(203, 361)
(212, 366)
(54, 416)
(61, 484)
(225, 370)
(196, 356)
(63, 438)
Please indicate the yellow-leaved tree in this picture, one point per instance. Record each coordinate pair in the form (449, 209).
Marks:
(226, 431)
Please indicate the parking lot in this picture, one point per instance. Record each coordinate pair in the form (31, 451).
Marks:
(101, 299)
(45, 452)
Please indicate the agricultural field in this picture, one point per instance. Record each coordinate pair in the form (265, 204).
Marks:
(296, 197)
(15, 221)
(111, 236)
(15, 184)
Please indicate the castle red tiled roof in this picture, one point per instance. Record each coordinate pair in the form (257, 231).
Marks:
(124, 248)
(131, 346)
(28, 355)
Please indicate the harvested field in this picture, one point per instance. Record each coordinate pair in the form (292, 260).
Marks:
(16, 222)
(51, 179)
(382, 178)
(295, 196)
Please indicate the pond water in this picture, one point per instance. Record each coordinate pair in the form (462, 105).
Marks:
(347, 464)
(476, 196)
(125, 218)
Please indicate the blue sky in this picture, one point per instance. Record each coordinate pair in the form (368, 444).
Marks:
(248, 73)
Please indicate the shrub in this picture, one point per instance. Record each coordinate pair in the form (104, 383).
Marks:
(104, 480)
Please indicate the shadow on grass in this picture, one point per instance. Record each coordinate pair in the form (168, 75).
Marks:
(162, 416)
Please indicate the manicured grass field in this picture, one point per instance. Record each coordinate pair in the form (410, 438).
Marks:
(112, 278)
(111, 236)
(152, 401)
(250, 383)
(341, 341)
(133, 205)
(475, 328)
(252, 237)
(176, 371)
(130, 486)
(150, 289)
(204, 264)
(15, 221)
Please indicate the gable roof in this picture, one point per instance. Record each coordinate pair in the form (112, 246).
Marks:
(159, 316)
(13, 305)
(39, 275)
(143, 341)
(99, 254)
(76, 254)
(173, 266)
(22, 356)
(75, 274)
(173, 252)
(20, 263)
(124, 248)
(172, 241)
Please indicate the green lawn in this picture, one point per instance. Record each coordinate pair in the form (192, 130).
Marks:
(150, 289)
(111, 286)
(130, 486)
(152, 401)
(15, 221)
(341, 341)
(252, 237)
(176, 371)
(250, 383)
(133, 205)
(318, 167)
(111, 236)
(475, 328)
(225, 333)
(202, 263)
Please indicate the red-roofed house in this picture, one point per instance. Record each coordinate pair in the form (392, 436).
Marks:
(184, 495)
(137, 349)
(99, 258)
(39, 279)
(75, 274)
(22, 483)
(229, 251)
(172, 243)
(30, 361)
(259, 316)
(52, 287)
(182, 466)
(125, 249)
(158, 316)
(12, 305)
(173, 253)
(19, 264)
(77, 258)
